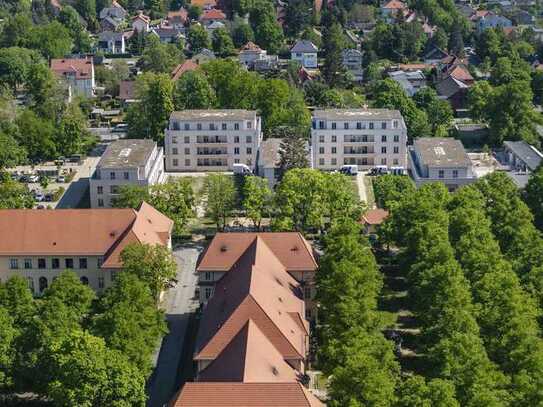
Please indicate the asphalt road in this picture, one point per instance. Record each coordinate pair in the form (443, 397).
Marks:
(179, 303)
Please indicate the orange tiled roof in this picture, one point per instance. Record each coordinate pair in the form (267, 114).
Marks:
(460, 73)
(375, 216)
(395, 5)
(251, 46)
(213, 14)
(188, 65)
(81, 67)
(204, 3)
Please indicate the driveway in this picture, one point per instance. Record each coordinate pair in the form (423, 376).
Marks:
(179, 303)
(361, 186)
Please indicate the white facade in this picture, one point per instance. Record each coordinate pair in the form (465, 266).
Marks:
(212, 140)
(306, 59)
(126, 162)
(363, 137)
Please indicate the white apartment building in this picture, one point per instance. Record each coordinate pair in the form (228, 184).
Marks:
(212, 140)
(363, 137)
(125, 162)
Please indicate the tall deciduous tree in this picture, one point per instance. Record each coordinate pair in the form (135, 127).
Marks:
(220, 198)
(198, 38)
(293, 150)
(533, 196)
(389, 189)
(257, 199)
(193, 91)
(222, 42)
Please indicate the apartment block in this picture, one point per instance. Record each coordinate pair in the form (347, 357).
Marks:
(125, 162)
(362, 137)
(41, 244)
(212, 140)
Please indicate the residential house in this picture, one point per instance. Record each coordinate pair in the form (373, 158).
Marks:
(372, 219)
(363, 137)
(125, 162)
(127, 92)
(204, 4)
(454, 91)
(141, 23)
(215, 25)
(492, 20)
(212, 140)
(410, 81)
(167, 35)
(440, 159)
(254, 57)
(111, 42)
(211, 16)
(205, 55)
(521, 156)
(177, 19)
(305, 52)
(41, 244)
(352, 62)
(267, 161)
(466, 10)
(114, 11)
(391, 9)
(434, 55)
(188, 65)
(523, 17)
(110, 24)
(78, 74)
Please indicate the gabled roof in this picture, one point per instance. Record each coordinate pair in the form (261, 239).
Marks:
(395, 5)
(251, 46)
(462, 74)
(142, 17)
(188, 65)
(450, 86)
(180, 15)
(257, 288)
(375, 216)
(80, 67)
(304, 46)
(204, 3)
(202, 394)
(290, 248)
(213, 14)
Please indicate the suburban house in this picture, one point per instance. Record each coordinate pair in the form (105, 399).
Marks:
(440, 159)
(114, 11)
(177, 19)
(141, 23)
(362, 137)
(204, 4)
(211, 16)
(411, 82)
(41, 244)
(372, 219)
(111, 42)
(352, 62)
(127, 91)
(212, 140)
(110, 24)
(125, 162)
(492, 20)
(434, 55)
(253, 337)
(254, 57)
(391, 9)
(523, 17)
(305, 52)
(167, 35)
(521, 156)
(205, 55)
(78, 74)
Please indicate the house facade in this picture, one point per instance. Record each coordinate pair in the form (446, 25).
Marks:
(411, 82)
(42, 244)
(352, 62)
(78, 74)
(212, 140)
(141, 23)
(125, 162)
(362, 137)
(305, 52)
(492, 20)
(111, 42)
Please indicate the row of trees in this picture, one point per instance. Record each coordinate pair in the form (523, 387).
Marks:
(77, 349)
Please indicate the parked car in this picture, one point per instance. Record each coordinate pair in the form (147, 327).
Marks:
(39, 197)
(61, 179)
(349, 169)
(33, 178)
(379, 170)
(241, 169)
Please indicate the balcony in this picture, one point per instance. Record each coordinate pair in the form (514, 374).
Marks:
(211, 151)
(211, 140)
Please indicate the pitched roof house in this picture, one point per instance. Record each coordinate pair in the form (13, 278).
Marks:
(188, 65)
(305, 52)
(77, 72)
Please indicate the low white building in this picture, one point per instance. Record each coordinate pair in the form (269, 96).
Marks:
(125, 162)
(440, 159)
(410, 81)
(212, 140)
(111, 42)
(78, 73)
(305, 52)
(362, 137)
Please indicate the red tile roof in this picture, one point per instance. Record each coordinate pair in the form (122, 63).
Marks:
(290, 248)
(251, 46)
(188, 65)
(375, 216)
(178, 16)
(395, 5)
(81, 67)
(127, 90)
(213, 14)
(204, 3)
(203, 394)
(462, 74)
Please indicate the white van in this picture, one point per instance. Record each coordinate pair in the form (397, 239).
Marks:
(349, 169)
(242, 169)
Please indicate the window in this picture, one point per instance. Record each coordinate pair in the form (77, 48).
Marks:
(187, 139)
(455, 173)
(41, 263)
(84, 280)
(175, 162)
(83, 263)
(113, 189)
(249, 150)
(346, 126)
(28, 263)
(396, 150)
(99, 262)
(321, 139)
(111, 175)
(441, 174)
(208, 276)
(359, 126)
(211, 126)
(396, 138)
(383, 150)
(334, 150)
(321, 150)
(236, 126)
(174, 140)
(100, 282)
(223, 126)
(334, 161)
(207, 292)
(321, 161)
(322, 125)
(13, 264)
(333, 126)
(199, 126)
(236, 150)
(249, 125)
(395, 161)
(30, 281)
(100, 190)
(383, 139)
(187, 126)
(126, 175)
(249, 162)
(236, 160)
(43, 284)
(69, 263)
(175, 151)
(187, 162)
(334, 139)
(236, 139)
(249, 139)
(383, 125)
(55, 263)
(100, 202)
(371, 125)
(383, 161)
(395, 124)
(187, 151)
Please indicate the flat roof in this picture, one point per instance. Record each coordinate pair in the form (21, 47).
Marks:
(527, 153)
(216, 114)
(441, 152)
(357, 114)
(127, 153)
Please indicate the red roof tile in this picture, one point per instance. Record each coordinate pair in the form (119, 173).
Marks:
(80, 67)
(395, 5)
(375, 216)
(213, 14)
(188, 65)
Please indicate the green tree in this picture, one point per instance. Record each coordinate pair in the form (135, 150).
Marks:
(11, 153)
(154, 265)
(389, 189)
(17, 31)
(416, 392)
(220, 198)
(222, 42)
(14, 195)
(242, 34)
(257, 198)
(36, 135)
(194, 12)
(293, 149)
(268, 34)
(193, 91)
(198, 38)
(15, 64)
(129, 321)
(131, 196)
(53, 40)
(334, 43)
(297, 17)
(72, 130)
(71, 292)
(439, 112)
(8, 333)
(158, 57)
(533, 195)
